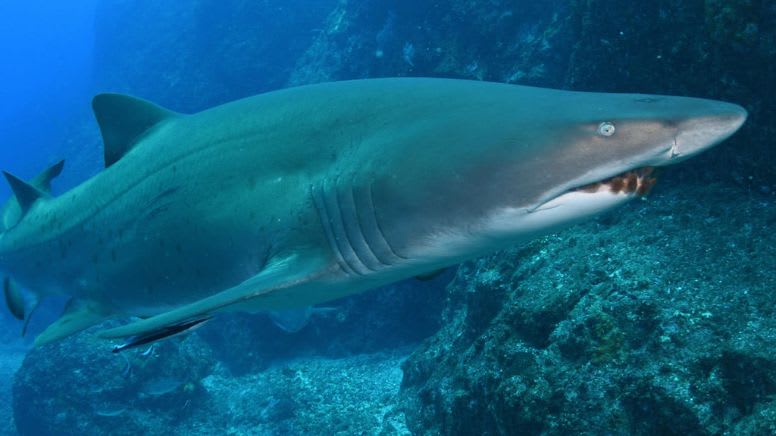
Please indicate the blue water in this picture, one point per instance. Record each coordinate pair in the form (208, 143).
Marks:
(350, 368)
(45, 83)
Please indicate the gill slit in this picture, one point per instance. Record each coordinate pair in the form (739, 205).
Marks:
(318, 195)
(349, 220)
(378, 227)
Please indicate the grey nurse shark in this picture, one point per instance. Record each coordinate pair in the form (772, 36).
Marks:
(304, 195)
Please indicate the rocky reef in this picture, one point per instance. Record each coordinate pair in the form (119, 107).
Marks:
(240, 373)
(77, 387)
(653, 319)
(639, 323)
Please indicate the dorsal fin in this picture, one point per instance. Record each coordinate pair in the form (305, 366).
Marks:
(25, 193)
(123, 121)
(43, 180)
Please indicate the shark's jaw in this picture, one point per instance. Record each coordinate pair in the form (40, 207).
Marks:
(572, 206)
(583, 202)
(598, 196)
(511, 225)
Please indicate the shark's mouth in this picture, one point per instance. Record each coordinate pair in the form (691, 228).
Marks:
(639, 181)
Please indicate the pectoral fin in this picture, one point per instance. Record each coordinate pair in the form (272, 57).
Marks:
(78, 315)
(21, 307)
(281, 274)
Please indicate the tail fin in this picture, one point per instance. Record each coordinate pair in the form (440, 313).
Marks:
(43, 180)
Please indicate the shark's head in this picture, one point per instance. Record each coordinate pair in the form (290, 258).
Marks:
(534, 160)
(603, 152)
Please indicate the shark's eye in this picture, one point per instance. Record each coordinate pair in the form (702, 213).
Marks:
(606, 129)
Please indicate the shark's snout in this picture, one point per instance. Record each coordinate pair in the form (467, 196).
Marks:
(702, 132)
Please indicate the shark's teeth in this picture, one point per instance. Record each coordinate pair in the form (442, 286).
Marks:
(639, 181)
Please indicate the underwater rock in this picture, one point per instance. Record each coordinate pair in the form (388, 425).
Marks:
(160, 386)
(77, 387)
(637, 323)
(190, 382)
(508, 41)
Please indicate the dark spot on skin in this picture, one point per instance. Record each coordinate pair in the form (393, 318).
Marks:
(161, 243)
(252, 183)
(178, 248)
(174, 169)
(113, 255)
(95, 259)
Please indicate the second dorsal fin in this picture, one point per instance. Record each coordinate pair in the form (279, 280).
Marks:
(123, 121)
